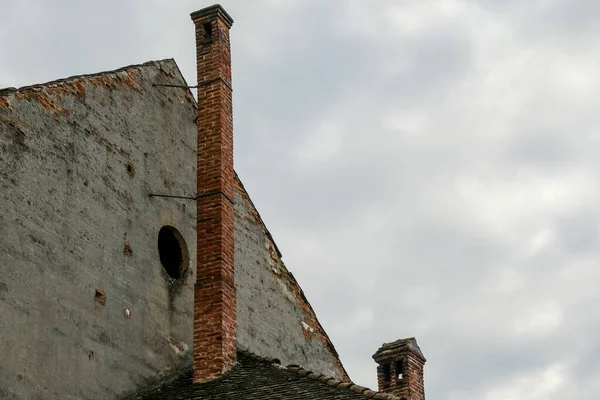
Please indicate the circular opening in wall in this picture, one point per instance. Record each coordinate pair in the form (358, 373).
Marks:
(173, 251)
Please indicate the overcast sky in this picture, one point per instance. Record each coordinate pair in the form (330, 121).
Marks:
(427, 168)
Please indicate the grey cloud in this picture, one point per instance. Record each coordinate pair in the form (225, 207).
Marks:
(67, 36)
(544, 148)
(576, 18)
(579, 232)
(570, 25)
(437, 59)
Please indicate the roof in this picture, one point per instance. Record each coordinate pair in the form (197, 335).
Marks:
(255, 378)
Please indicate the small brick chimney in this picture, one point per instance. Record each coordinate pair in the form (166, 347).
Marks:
(215, 343)
(400, 369)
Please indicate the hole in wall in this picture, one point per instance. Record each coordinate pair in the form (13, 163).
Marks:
(130, 169)
(173, 252)
(100, 296)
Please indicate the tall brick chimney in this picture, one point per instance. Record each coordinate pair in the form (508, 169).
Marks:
(400, 369)
(215, 341)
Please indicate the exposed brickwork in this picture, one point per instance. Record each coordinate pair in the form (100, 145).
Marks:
(4, 103)
(400, 369)
(214, 292)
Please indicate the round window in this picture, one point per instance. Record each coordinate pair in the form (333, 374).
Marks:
(173, 251)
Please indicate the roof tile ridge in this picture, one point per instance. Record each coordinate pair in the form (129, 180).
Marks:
(329, 380)
(256, 357)
(339, 384)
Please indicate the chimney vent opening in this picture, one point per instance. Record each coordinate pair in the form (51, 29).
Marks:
(387, 375)
(398, 369)
(172, 251)
(207, 27)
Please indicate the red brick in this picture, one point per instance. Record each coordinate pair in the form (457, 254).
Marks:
(215, 344)
(405, 354)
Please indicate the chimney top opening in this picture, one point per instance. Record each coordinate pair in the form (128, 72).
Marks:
(173, 252)
(207, 27)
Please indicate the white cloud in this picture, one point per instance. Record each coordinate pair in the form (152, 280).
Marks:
(541, 239)
(540, 319)
(539, 385)
(509, 203)
(404, 122)
(504, 280)
(323, 143)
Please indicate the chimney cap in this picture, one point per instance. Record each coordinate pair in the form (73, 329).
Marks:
(392, 350)
(211, 12)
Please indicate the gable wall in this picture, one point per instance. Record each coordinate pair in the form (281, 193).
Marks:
(73, 220)
(69, 209)
(274, 317)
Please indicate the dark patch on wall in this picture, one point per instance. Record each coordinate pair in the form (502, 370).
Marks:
(3, 290)
(104, 338)
(174, 289)
(58, 332)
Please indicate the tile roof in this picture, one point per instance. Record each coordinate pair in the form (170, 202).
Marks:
(255, 378)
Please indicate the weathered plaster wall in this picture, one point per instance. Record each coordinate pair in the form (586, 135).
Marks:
(274, 317)
(74, 220)
(71, 213)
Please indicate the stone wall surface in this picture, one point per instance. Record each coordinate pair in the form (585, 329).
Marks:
(274, 317)
(78, 161)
